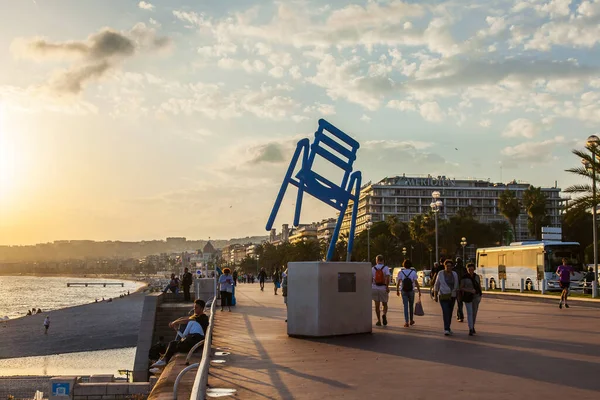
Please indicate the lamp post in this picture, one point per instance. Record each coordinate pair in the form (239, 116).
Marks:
(436, 205)
(404, 252)
(592, 144)
(463, 243)
(369, 225)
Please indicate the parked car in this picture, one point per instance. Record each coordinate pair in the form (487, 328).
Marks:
(424, 277)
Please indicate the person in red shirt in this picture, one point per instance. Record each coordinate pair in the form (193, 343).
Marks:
(564, 272)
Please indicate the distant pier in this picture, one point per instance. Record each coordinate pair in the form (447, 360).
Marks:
(86, 284)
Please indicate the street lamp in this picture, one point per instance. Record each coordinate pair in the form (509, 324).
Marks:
(463, 243)
(404, 252)
(436, 205)
(369, 224)
(592, 144)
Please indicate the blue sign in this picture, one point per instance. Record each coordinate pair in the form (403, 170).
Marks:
(61, 389)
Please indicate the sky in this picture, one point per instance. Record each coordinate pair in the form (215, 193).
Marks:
(138, 120)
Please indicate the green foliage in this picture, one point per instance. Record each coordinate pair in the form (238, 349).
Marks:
(585, 198)
(577, 227)
(510, 209)
(534, 202)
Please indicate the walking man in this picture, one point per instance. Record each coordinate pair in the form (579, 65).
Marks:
(564, 272)
(186, 282)
(380, 289)
(461, 271)
(407, 278)
(262, 275)
(46, 324)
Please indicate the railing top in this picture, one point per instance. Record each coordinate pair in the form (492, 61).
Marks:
(201, 380)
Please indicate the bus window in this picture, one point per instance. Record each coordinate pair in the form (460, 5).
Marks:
(481, 260)
(501, 266)
(540, 266)
(556, 253)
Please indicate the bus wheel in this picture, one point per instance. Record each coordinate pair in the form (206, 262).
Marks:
(529, 286)
(493, 284)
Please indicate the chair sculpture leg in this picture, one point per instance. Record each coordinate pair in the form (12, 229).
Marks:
(302, 145)
(334, 237)
(300, 195)
(355, 181)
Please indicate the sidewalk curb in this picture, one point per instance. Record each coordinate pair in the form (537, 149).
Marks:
(588, 303)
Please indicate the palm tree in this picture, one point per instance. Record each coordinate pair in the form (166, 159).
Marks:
(534, 202)
(510, 209)
(585, 201)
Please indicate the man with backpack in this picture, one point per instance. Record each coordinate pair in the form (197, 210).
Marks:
(380, 288)
(407, 278)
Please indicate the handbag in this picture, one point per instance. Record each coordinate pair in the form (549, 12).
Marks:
(419, 309)
(277, 285)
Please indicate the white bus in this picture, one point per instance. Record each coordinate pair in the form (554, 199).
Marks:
(530, 261)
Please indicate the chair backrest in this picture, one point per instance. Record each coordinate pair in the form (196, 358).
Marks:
(334, 146)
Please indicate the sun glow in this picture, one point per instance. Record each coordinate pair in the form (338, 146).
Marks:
(7, 158)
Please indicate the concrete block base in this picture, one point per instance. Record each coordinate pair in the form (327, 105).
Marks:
(329, 299)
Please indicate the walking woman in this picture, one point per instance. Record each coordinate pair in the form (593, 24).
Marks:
(470, 289)
(226, 288)
(445, 291)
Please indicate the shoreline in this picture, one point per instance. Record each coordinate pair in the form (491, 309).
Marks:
(86, 327)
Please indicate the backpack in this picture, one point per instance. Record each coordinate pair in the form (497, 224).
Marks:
(407, 283)
(379, 276)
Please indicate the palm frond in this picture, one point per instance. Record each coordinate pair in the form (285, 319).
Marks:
(579, 189)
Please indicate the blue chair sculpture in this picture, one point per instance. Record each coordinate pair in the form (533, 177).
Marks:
(340, 150)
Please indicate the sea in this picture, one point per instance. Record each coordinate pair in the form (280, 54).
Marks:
(22, 293)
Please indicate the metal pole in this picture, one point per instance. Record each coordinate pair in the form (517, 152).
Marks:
(369, 244)
(437, 254)
(463, 253)
(594, 224)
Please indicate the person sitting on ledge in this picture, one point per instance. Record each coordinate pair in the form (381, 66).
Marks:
(194, 332)
(39, 311)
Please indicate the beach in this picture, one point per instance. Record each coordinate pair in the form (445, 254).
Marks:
(95, 326)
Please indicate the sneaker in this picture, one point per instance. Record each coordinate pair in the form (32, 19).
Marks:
(451, 333)
(412, 322)
(406, 325)
(384, 320)
(560, 305)
(378, 323)
(459, 319)
(446, 333)
(566, 305)
(474, 331)
(159, 363)
(470, 332)
(156, 371)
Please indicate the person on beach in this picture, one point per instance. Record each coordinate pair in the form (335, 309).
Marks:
(380, 289)
(226, 288)
(46, 324)
(262, 275)
(186, 282)
(470, 292)
(445, 291)
(407, 278)
(564, 272)
(197, 324)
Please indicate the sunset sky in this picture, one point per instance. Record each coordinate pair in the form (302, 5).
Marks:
(127, 120)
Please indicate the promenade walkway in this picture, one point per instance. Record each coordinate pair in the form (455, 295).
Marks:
(523, 350)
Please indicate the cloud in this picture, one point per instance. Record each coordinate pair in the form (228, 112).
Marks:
(365, 118)
(268, 153)
(533, 152)
(522, 127)
(94, 57)
(146, 6)
(431, 111)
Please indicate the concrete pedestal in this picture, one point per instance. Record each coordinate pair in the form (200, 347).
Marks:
(205, 288)
(329, 298)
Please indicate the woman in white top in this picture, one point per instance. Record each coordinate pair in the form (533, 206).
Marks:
(445, 291)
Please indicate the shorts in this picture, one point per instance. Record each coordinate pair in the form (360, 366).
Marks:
(381, 296)
(565, 285)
